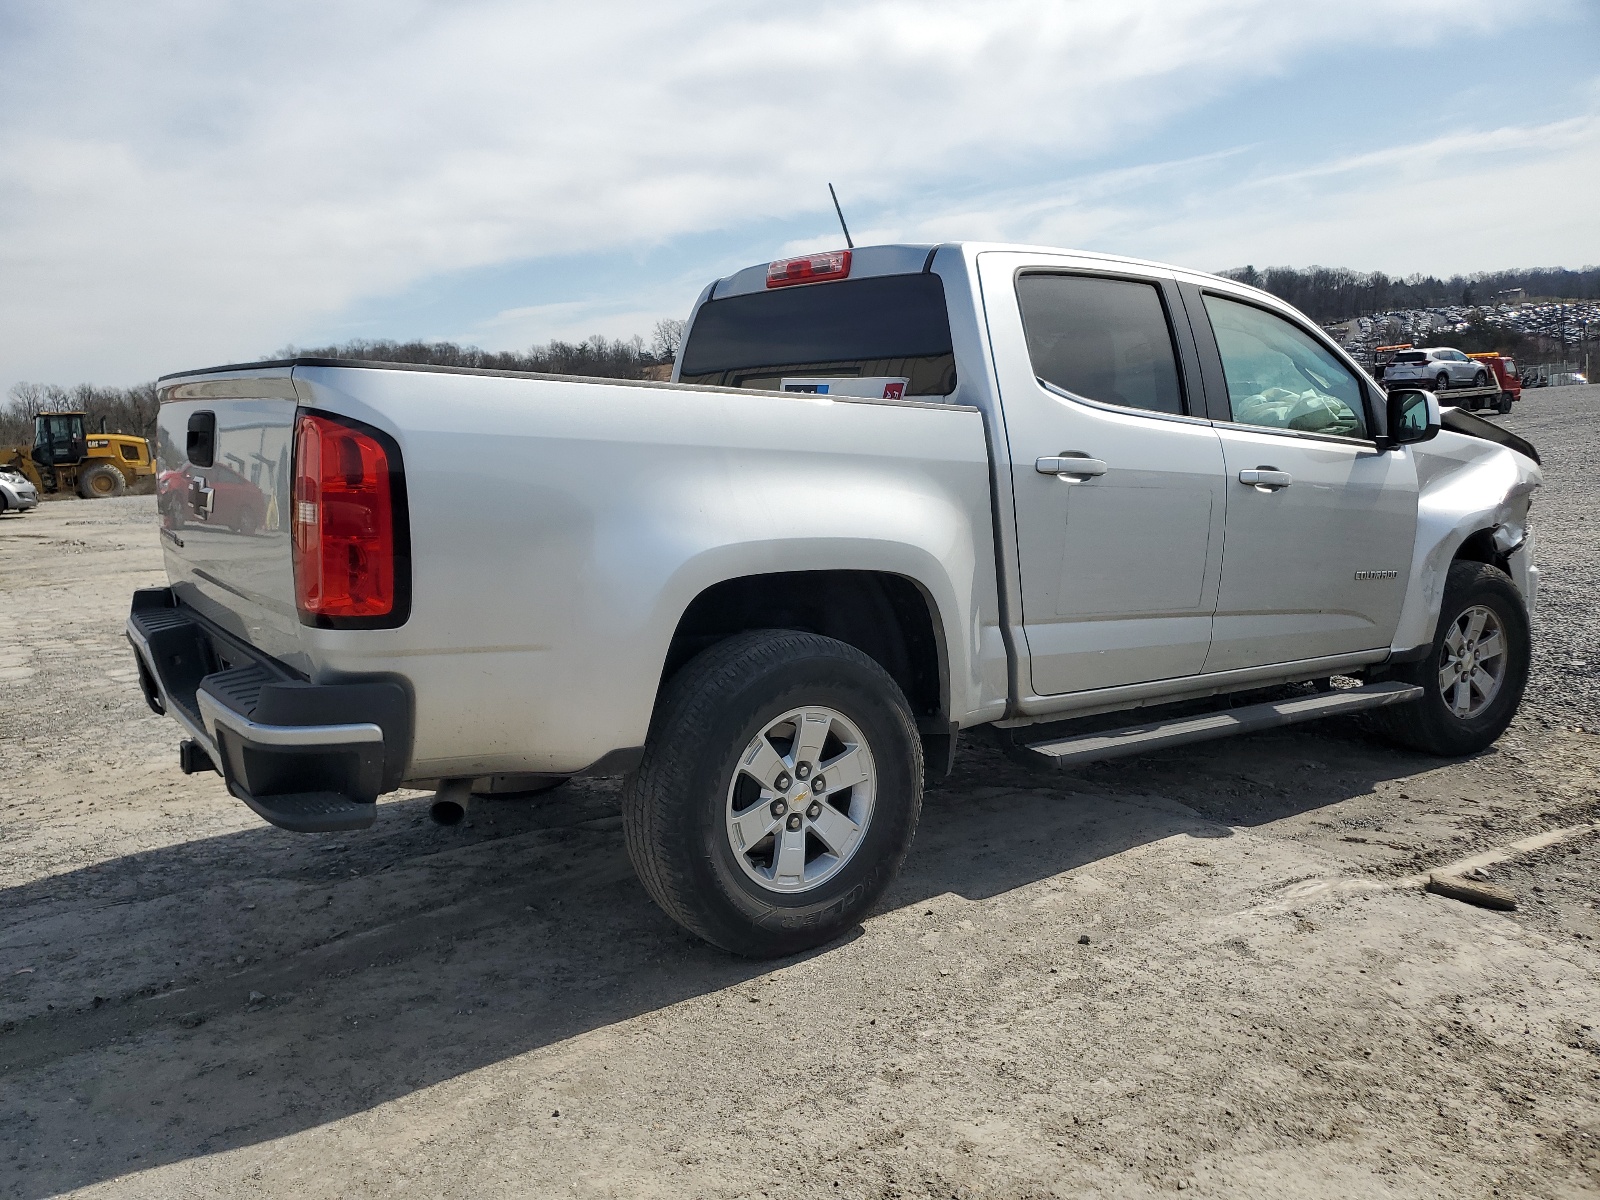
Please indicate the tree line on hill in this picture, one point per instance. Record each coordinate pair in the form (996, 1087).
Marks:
(1328, 294)
(615, 358)
(133, 410)
(107, 409)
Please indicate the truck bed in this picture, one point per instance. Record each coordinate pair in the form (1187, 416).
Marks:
(558, 527)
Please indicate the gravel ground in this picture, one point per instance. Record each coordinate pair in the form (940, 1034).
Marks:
(1564, 424)
(1266, 1002)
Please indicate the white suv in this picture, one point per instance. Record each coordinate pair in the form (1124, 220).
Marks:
(1436, 367)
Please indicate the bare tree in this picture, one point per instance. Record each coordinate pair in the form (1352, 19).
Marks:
(116, 410)
(666, 339)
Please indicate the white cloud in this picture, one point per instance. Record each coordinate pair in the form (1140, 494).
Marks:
(571, 321)
(1513, 195)
(182, 182)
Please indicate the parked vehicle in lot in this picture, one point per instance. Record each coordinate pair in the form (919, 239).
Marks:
(17, 494)
(1104, 485)
(1436, 367)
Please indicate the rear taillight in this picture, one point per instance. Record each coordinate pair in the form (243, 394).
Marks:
(812, 268)
(343, 524)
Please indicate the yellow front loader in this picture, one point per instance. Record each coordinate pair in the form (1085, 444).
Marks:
(63, 458)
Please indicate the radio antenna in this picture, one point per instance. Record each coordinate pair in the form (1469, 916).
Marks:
(840, 211)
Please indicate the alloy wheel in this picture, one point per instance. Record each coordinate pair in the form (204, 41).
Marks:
(800, 799)
(1474, 661)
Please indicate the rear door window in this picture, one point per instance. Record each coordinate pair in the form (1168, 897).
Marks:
(1102, 339)
(883, 327)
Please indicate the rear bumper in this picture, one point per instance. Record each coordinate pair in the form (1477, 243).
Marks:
(308, 757)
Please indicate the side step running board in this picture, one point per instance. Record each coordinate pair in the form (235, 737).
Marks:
(1140, 739)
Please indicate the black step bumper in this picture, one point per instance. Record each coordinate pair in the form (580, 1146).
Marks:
(306, 756)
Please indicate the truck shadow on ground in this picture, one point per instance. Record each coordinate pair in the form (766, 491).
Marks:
(411, 955)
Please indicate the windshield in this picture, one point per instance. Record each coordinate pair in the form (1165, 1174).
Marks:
(888, 326)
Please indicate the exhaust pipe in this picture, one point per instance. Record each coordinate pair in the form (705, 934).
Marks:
(450, 801)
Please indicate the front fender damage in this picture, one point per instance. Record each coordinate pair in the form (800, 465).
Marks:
(1466, 486)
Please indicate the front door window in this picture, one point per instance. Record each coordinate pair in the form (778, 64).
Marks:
(1279, 378)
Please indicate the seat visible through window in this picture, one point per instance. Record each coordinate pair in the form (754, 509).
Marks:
(1279, 377)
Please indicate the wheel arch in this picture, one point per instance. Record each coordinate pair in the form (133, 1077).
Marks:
(1480, 546)
(890, 617)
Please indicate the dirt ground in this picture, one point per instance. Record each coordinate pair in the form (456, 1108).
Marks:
(1212, 970)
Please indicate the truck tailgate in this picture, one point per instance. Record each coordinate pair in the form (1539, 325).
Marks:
(224, 446)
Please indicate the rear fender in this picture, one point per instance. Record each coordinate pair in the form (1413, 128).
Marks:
(957, 619)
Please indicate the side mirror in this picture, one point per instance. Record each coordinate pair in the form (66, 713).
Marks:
(1413, 417)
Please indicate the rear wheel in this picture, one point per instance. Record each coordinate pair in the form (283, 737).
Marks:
(1441, 381)
(1474, 674)
(100, 480)
(778, 793)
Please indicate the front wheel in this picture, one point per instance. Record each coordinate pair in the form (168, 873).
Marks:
(1474, 674)
(101, 479)
(1481, 379)
(778, 794)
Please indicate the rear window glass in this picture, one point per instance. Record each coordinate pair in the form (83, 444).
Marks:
(1411, 356)
(892, 326)
(1106, 339)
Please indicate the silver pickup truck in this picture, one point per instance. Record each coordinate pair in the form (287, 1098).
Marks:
(891, 493)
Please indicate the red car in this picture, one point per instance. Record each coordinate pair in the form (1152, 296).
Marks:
(217, 496)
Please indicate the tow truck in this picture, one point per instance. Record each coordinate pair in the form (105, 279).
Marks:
(1505, 372)
(1500, 395)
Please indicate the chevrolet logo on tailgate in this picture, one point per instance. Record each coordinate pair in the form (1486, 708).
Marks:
(201, 498)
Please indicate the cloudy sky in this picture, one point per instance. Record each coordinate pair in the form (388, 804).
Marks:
(185, 183)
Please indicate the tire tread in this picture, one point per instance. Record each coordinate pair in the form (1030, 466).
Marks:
(1417, 725)
(655, 835)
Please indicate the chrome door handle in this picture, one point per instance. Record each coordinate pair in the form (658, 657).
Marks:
(1266, 479)
(1070, 467)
